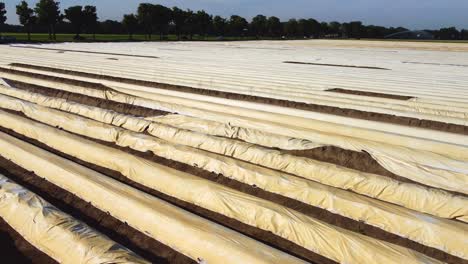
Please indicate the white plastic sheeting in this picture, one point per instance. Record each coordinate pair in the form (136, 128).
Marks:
(364, 183)
(183, 231)
(296, 227)
(393, 219)
(259, 67)
(445, 235)
(55, 233)
(421, 166)
(284, 125)
(329, 123)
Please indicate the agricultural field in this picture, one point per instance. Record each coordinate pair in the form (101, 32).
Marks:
(309, 151)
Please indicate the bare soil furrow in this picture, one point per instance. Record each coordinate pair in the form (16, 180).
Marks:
(16, 249)
(371, 94)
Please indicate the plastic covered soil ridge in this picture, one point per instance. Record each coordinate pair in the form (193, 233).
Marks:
(89, 52)
(360, 161)
(128, 109)
(138, 242)
(250, 231)
(259, 234)
(399, 120)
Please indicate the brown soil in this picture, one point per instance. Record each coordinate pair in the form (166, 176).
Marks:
(406, 121)
(88, 100)
(15, 249)
(361, 161)
(118, 231)
(89, 52)
(371, 94)
(258, 234)
(336, 65)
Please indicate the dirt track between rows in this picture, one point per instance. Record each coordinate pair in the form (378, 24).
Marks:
(371, 94)
(16, 249)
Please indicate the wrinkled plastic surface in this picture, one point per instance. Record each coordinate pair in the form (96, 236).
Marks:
(57, 234)
(183, 231)
(394, 219)
(213, 66)
(446, 171)
(429, 201)
(314, 235)
(345, 136)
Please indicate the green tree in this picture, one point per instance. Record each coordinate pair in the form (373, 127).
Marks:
(189, 26)
(305, 27)
(26, 17)
(203, 22)
(464, 34)
(314, 27)
(291, 28)
(48, 13)
(274, 26)
(355, 28)
(179, 17)
(144, 16)
(90, 19)
(161, 16)
(237, 25)
(259, 25)
(111, 27)
(450, 33)
(335, 27)
(219, 25)
(130, 22)
(2, 15)
(345, 30)
(75, 15)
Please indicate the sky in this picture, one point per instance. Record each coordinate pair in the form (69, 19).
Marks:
(413, 14)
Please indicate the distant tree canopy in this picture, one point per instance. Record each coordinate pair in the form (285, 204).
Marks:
(48, 13)
(75, 16)
(275, 29)
(219, 26)
(26, 16)
(259, 25)
(152, 19)
(237, 25)
(130, 22)
(90, 19)
(2, 15)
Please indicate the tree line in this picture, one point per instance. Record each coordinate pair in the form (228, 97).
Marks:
(154, 19)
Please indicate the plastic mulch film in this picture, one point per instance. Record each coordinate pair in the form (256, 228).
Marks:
(305, 231)
(394, 219)
(55, 233)
(185, 232)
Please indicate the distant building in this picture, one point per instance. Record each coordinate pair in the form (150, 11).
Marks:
(416, 34)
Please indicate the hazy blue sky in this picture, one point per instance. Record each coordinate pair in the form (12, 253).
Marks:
(415, 14)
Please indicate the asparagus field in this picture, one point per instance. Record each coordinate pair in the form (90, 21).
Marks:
(314, 151)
